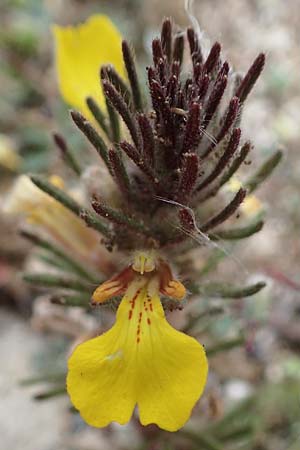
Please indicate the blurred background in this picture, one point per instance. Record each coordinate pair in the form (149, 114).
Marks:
(260, 384)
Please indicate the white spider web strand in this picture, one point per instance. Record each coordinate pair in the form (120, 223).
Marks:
(199, 236)
(209, 136)
(189, 9)
(173, 202)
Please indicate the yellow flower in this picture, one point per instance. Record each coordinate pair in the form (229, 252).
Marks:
(142, 360)
(8, 156)
(80, 51)
(42, 210)
(251, 205)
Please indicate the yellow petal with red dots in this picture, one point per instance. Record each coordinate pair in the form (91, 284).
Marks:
(80, 51)
(141, 360)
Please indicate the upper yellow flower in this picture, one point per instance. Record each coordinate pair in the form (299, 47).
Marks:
(142, 359)
(80, 51)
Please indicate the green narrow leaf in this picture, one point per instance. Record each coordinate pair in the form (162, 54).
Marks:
(72, 300)
(226, 290)
(57, 193)
(67, 154)
(263, 172)
(225, 345)
(237, 233)
(203, 440)
(114, 122)
(234, 415)
(60, 390)
(58, 281)
(44, 378)
(92, 135)
(120, 218)
(62, 197)
(60, 253)
(98, 114)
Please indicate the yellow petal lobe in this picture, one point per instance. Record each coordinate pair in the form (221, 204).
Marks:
(174, 289)
(105, 291)
(80, 51)
(141, 360)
